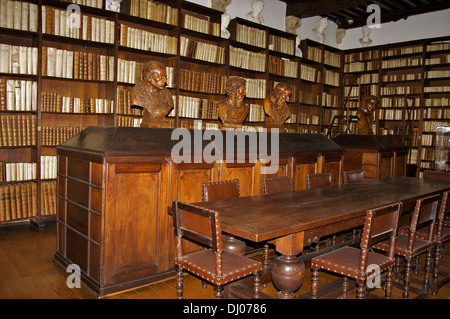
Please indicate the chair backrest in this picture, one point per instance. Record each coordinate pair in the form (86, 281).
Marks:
(381, 223)
(444, 208)
(220, 190)
(352, 176)
(424, 215)
(318, 180)
(436, 175)
(278, 184)
(197, 225)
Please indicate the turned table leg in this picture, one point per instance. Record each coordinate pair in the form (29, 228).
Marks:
(288, 270)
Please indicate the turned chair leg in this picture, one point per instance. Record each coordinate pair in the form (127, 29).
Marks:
(256, 286)
(437, 258)
(218, 291)
(388, 288)
(361, 292)
(315, 283)
(407, 279)
(180, 283)
(345, 288)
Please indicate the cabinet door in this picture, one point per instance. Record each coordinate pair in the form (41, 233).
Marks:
(307, 164)
(246, 173)
(136, 221)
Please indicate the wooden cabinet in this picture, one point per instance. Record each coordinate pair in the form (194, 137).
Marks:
(379, 156)
(115, 185)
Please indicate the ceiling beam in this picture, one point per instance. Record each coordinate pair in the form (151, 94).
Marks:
(320, 7)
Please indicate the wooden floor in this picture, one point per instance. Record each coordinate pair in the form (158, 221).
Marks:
(27, 271)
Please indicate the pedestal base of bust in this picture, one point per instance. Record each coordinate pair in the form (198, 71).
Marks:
(157, 123)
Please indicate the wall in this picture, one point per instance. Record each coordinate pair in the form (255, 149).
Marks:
(416, 27)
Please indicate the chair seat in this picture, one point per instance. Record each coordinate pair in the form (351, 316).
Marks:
(423, 233)
(234, 266)
(345, 261)
(420, 246)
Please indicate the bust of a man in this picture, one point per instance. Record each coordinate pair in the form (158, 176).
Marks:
(152, 95)
(255, 14)
(319, 32)
(232, 110)
(275, 105)
(365, 114)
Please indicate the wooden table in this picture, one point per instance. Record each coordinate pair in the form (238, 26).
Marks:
(293, 220)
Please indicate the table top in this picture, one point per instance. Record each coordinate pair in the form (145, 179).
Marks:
(266, 217)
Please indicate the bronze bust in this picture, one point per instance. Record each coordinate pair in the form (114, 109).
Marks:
(365, 114)
(152, 95)
(275, 105)
(232, 110)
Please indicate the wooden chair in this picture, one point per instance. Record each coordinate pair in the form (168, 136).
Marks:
(380, 224)
(277, 184)
(410, 246)
(352, 176)
(215, 265)
(441, 176)
(318, 180)
(225, 190)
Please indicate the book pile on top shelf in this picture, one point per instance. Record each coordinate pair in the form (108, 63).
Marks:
(18, 201)
(19, 15)
(18, 59)
(62, 23)
(202, 25)
(154, 11)
(89, 3)
(250, 35)
(77, 65)
(18, 95)
(18, 130)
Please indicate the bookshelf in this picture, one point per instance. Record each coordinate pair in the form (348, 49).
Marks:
(56, 80)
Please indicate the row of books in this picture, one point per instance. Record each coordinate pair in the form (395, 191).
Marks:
(310, 73)
(19, 15)
(190, 107)
(205, 82)
(18, 95)
(309, 98)
(400, 63)
(438, 74)
(255, 88)
(127, 121)
(55, 135)
(427, 154)
(18, 171)
(442, 59)
(330, 100)
(89, 3)
(282, 45)
(427, 139)
(210, 111)
(250, 35)
(314, 54)
(154, 11)
(18, 59)
(390, 114)
(331, 78)
(18, 130)
(54, 102)
(361, 56)
(77, 65)
(443, 101)
(246, 59)
(256, 113)
(436, 89)
(361, 66)
(283, 67)
(328, 115)
(401, 77)
(431, 126)
(332, 58)
(308, 119)
(402, 51)
(68, 24)
(438, 46)
(48, 166)
(292, 119)
(359, 91)
(146, 40)
(398, 102)
(202, 51)
(400, 90)
(202, 25)
(124, 103)
(18, 201)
